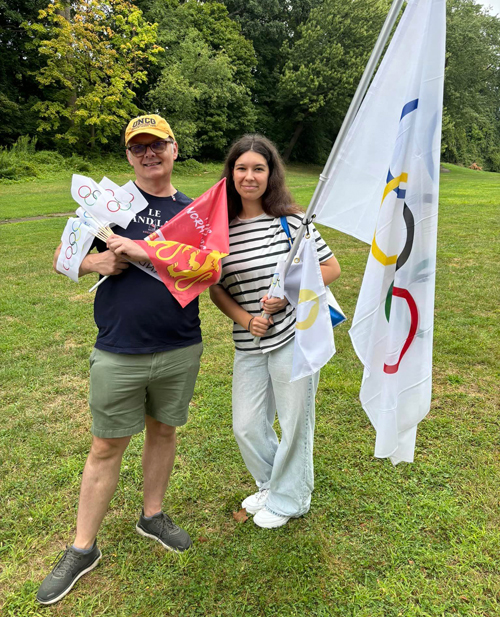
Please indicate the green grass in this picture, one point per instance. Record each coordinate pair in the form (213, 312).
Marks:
(415, 540)
(51, 194)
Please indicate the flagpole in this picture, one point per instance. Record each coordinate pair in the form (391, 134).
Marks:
(357, 99)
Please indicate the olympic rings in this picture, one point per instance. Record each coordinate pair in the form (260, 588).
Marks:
(120, 205)
(390, 369)
(96, 197)
(392, 185)
(75, 236)
(72, 249)
(115, 202)
(129, 205)
(87, 195)
(73, 242)
(124, 207)
(95, 194)
(410, 235)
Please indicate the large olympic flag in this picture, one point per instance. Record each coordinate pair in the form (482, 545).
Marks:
(384, 190)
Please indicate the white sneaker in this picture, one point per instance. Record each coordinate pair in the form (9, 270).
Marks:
(255, 502)
(268, 520)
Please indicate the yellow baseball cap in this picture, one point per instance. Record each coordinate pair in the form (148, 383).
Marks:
(152, 124)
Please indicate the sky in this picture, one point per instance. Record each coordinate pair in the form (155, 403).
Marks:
(494, 3)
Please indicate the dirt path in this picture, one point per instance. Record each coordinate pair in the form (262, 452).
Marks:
(36, 218)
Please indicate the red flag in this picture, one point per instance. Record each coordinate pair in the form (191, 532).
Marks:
(187, 250)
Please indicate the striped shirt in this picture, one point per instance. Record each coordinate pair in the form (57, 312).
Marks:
(255, 247)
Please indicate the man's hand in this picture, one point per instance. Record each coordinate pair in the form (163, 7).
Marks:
(124, 247)
(105, 263)
(270, 306)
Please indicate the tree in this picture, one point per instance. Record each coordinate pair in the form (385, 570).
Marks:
(471, 121)
(18, 87)
(206, 71)
(269, 25)
(95, 55)
(324, 65)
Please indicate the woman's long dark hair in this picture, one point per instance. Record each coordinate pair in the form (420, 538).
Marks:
(277, 199)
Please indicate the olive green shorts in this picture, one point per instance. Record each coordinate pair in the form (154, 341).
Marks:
(126, 387)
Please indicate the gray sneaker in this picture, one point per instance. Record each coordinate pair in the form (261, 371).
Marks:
(66, 572)
(162, 529)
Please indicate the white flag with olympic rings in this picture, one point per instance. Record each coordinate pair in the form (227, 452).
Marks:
(100, 202)
(76, 242)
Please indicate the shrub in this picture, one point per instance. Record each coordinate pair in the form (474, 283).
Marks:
(45, 157)
(25, 145)
(15, 167)
(7, 169)
(77, 163)
(190, 166)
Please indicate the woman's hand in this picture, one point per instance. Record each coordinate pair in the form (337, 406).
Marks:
(126, 247)
(270, 306)
(259, 326)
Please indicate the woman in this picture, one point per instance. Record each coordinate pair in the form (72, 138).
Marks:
(257, 198)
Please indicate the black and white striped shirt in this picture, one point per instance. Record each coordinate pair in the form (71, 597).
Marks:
(256, 245)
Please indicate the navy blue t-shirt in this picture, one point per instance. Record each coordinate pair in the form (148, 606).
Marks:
(135, 312)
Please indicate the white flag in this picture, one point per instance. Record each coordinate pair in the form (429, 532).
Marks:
(305, 290)
(137, 199)
(76, 242)
(127, 196)
(384, 190)
(88, 220)
(277, 287)
(99, 202)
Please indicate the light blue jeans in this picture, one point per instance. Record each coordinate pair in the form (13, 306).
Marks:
(261, 387)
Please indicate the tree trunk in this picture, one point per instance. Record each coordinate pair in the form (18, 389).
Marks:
(298, 131)
(66, 13)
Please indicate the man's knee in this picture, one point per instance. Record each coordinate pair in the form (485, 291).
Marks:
(158, 429)
(108, 448)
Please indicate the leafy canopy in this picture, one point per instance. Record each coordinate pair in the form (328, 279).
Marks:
(471, 119)
(206, 73)
(324, 64)
(95, 54)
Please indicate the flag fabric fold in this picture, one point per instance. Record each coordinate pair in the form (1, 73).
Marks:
(306, 292)
(384, 190)
(186, 252)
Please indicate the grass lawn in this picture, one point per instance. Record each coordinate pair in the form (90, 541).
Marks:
(49, 196)
(415, 540)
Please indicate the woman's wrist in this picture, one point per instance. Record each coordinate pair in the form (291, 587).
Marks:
(250, 323)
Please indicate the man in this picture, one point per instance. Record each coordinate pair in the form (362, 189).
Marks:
(142, 370)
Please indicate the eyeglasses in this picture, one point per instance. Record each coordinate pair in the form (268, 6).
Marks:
(157, 147)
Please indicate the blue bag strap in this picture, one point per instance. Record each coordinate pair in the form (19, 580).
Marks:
(286, 229)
